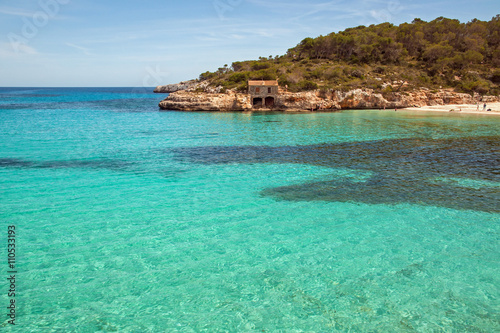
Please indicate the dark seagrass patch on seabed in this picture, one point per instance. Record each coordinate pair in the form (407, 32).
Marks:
(92, 164)
(116, 165)
(404, 170)
(15, 106)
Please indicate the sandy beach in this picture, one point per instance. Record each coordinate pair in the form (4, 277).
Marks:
(460, 108)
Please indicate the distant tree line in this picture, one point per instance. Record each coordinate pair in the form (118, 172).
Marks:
(449, 41)
(440, 53)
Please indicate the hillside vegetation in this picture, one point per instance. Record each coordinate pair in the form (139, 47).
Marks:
(443, 53)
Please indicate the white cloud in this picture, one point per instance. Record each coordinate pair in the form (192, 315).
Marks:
(236, 36)
(85, 50)
(15, 12)
(52, 13)
(15, 49)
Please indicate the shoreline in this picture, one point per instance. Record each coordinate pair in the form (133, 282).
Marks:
(210, 99)
(459, 108)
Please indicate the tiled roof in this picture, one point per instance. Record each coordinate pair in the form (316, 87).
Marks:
(263, 82)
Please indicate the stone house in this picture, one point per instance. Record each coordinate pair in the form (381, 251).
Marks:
(263, 93)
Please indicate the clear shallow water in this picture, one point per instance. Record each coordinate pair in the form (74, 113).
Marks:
(136, 220)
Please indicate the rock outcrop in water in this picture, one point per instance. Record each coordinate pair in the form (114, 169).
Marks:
(199, 96)
(194, 101)
(184, 85)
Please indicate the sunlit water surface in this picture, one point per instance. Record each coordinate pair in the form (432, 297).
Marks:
(131, 219)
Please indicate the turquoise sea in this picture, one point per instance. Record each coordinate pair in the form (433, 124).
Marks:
(131, 219)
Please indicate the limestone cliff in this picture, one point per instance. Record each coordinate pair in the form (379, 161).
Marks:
(196, 101)
(184, 85)
(190, 100)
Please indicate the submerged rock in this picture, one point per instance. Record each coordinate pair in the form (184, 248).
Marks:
(457, 173)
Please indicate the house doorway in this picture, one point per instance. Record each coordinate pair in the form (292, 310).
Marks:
(257, 102)
(269, 102)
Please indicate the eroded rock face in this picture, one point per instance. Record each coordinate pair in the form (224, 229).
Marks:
(189, 86)
(210, 99)
(184, 85)
(304, 101)
(192, 101)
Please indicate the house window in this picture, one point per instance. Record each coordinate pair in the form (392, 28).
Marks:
(269, 90)
(257, 90)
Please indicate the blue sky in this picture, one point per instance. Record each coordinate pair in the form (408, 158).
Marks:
(78, 43)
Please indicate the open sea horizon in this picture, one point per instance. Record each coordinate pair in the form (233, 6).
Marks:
(126, 218)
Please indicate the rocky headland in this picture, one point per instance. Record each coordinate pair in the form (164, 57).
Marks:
(411, 65)
(200, 96)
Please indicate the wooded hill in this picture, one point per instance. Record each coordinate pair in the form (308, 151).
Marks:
(443, 53)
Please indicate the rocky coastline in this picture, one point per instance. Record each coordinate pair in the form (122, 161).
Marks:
(200, 96)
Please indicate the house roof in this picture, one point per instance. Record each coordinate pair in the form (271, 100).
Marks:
(263, 82)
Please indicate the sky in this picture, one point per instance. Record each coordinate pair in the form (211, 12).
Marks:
(110, 43)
